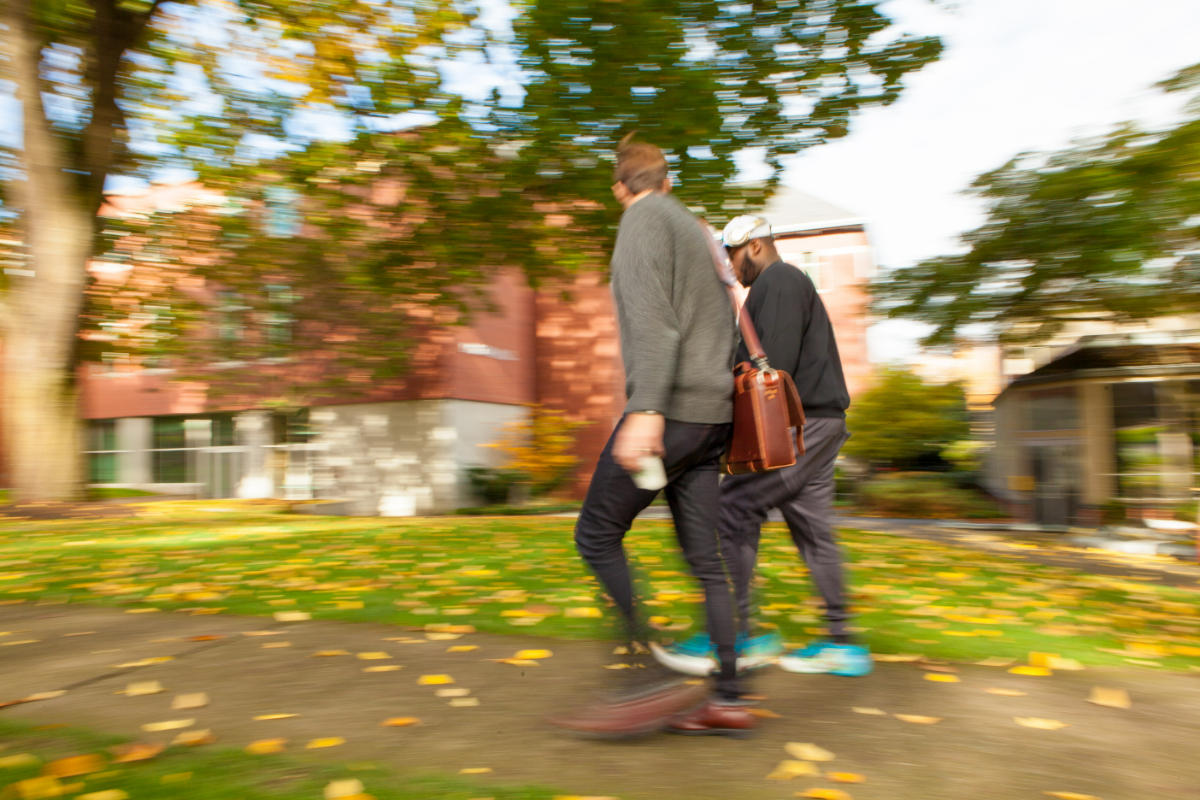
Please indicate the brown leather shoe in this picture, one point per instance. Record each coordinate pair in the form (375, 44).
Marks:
(715, 719)
(632, 715)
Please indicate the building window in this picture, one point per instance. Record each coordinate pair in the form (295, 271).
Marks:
(101, 451)
(175, 442)
(1053, 410)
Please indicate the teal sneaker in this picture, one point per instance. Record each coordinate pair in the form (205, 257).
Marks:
(697, 656)
(848, 660)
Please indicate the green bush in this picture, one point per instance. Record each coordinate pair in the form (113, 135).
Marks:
(925, 495)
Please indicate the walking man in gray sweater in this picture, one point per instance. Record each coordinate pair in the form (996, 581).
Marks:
(677, 343)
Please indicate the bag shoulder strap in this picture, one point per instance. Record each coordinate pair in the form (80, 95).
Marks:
(724, 270)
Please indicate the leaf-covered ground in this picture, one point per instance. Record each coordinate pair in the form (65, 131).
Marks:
(523, 575)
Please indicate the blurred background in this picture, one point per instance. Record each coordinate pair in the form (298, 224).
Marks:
(353, 253)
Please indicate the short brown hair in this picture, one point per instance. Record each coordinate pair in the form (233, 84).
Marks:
(640, 166)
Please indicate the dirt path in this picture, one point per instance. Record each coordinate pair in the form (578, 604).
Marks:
(976, 751)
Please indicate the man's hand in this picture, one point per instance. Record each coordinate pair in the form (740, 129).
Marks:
(641, 435)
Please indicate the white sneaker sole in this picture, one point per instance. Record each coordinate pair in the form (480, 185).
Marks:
(703, 666)
(807, 666)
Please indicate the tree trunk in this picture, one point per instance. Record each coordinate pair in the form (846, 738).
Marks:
(41, 308)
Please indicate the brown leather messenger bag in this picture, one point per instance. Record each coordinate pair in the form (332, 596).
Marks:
(766, 404)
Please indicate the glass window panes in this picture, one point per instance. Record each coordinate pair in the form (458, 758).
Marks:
(223, 430)
(1053, 410)
(171, 466)
(102, 467)
(102, 434)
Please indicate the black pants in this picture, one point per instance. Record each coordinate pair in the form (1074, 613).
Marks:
(804, 494)
(613, 501)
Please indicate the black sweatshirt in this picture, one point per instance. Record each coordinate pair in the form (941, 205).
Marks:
(797, 336)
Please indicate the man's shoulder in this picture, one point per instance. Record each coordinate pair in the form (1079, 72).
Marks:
(782, 277)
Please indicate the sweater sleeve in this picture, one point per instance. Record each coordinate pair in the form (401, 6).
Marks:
(642, 281)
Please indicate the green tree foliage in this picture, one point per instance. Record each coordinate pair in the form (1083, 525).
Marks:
(1109, 230)
(902, 419)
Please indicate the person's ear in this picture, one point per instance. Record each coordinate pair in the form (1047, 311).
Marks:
(666, 185)
(620, 192)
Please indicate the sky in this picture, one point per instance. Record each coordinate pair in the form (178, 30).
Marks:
(1016, 75)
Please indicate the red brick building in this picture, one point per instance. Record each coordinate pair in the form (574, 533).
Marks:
(404, 448)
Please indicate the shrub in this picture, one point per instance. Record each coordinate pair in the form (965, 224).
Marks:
(925, 495)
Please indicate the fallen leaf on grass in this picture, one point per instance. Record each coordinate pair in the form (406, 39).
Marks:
(183, 702)
(331, 741)
(169, 725)
(193, 738)
(583, 613)
(105, 794)
(896, 656)
(1042, 724)
(434, 680)
(399, 722)
(38, 788)
(138, 751)
(1071, 796)
(875, 711)
(75, 765)
(350, 787)
(442, 636)
(474, 770)
(264, 747)
(1005, 692)
(942, 678)
(532, 654)
(176, 777)
(845, 777)
(1113, 698)
(917, 719)
(262, 717)
(995, 661)
(824, 794)
(292, 616)
(808, 752)
(1068, 664)
(786, 770)
(143, 687)
(384, 668)
(19, 760)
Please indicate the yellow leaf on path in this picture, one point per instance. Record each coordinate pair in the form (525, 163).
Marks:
(763, 713)
(1037, 659)
(464, 702)
(1037, 671)
(786, 770)
(995, 661)
(261, 633)
(332, 741)
(583, 613)
(146, 662)
(137, 751)
(275, 645)
(193, 738)
(442, 636)
(434, 680)
(932, 676)
(458, 691)
(1185, 650)
(443, 627)
(462, 648)
(808, 752)
(106, 794)
(292, 616)
(1071, 796)
(1005, 692)
(45, 695)
(75, 765)
(1042, 724)
(474, 770)
(384, 668)
(183, 702)
(618, 666)
(530, 654)
(875, 711)
(917, 719)
(373, 656)
(824, 794)
(327, 653)
(399, 722)
(143, 687)
(1067, 664)
(517, 662)
(896, 657)
(262, 717)
(263, 747)
(335, 790)
(169, 725)
(845, 777)
(1113, 698)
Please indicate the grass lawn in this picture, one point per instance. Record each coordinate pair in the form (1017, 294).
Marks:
(207, 773)
(522, 574)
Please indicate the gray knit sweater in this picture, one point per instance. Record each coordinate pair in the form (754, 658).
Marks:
(678, 333)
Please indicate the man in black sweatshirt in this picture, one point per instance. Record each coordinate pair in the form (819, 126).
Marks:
(796, 334)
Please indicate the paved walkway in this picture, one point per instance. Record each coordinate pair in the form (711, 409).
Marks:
(975, 751)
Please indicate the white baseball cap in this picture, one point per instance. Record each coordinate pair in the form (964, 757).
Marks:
(744, 228)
